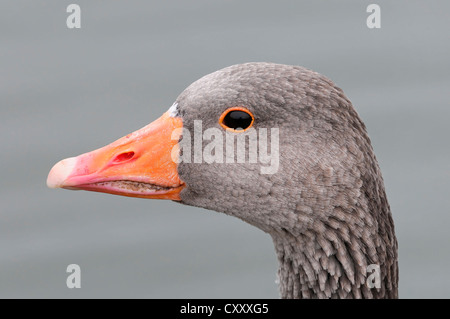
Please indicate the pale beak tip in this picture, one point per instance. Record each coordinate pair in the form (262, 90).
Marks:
(59, 173)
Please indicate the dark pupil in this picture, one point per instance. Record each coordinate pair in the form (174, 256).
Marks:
(237, 120)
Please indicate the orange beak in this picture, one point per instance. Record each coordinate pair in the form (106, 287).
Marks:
(140, 164)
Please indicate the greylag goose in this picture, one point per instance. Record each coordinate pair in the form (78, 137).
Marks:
(313, 184)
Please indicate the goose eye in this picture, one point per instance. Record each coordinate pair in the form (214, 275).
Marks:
(236, 119)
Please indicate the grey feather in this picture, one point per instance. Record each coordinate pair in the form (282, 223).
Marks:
(326, 208)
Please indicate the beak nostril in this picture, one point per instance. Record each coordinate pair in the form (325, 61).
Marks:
(123, 157)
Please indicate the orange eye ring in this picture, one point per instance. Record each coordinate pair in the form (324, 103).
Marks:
(233, 116)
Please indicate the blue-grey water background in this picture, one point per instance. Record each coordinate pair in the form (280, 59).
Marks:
(65, 92)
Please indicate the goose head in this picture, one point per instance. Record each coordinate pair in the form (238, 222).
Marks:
(278, 146)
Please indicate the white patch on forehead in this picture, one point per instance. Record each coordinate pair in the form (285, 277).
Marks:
(173, 110)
